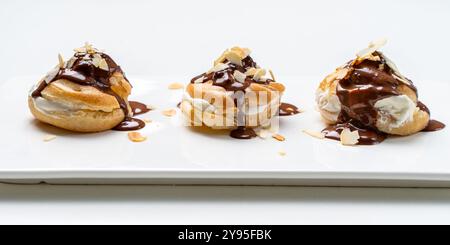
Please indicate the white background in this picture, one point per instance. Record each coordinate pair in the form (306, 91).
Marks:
(180, 38)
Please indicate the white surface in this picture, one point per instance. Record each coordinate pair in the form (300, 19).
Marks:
(174, 151)
(221, 205)
(317, 35)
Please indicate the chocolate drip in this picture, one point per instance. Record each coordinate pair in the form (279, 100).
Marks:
(434, 125)
(83, 70)
(367, 136)
(287, 109)
(130, 124)
(243, 133)
(138, 108)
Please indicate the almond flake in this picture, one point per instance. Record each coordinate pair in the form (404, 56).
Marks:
(349, 138)
(175, 86)
(148, 120)
(169, 112)
(136, 137)
(199, 80)
(251, 71)
(239, 76)
(272, 75)
(282, 153)
(103, 65)
(151, 107)
(218, 67)
(61, 61)
(315, 134)
(234, 58)
(279, 137)
(373, 46)
(49, 137)
(221, 59)
(258, 74)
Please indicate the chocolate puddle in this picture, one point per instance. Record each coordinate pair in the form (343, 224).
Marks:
(287, 109)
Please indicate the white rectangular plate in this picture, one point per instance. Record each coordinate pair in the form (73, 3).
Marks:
(174, 154)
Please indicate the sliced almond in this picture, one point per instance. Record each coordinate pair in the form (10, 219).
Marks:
(221, 59)
(349, 138)
(175, 86)
(61, 61)
(199, 80)
(147, 120)
(136, 137)
(242, 52)
(218, 67)
(279, 137)
(373, 46)
(234, 58)
(251, 71)
(282, 153)
(272, 75)
(103, 65)
(151, 107)
(315, 134)
(239, 76)
(49, 138)
(259, 74)
(169, 112)
(342, 73)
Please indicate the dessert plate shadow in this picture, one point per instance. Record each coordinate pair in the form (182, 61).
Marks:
(174, 154)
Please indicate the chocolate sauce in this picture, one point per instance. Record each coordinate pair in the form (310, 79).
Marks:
(366, 83)
(84, 70)
(243, 133)
(225, 78)
(138, 108)
(287, 109)
(179, 105)
(433, 126)
(367, 136)
(130, 124)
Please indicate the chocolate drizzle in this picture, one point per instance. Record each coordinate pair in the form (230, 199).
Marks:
(84, 69)
(367, 82)
(225, 78)
(243, 133)
(287, 109)
(138, 108)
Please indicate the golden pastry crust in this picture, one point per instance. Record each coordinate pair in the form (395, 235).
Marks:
(87, 109)
(83, 121)
(419, 122)
(227, 110)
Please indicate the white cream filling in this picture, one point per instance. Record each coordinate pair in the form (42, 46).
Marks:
(205, 106)
(50, 106)
(329, 103)
(396, 110)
